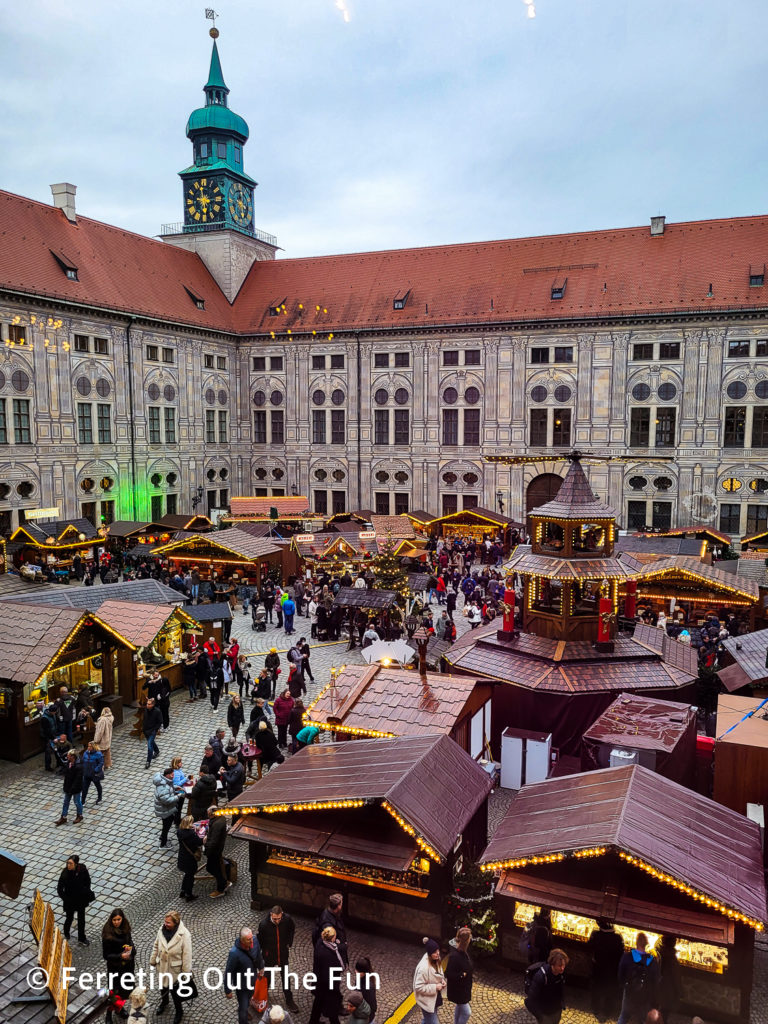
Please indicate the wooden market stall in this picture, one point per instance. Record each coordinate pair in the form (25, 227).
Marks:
(659, 734)
(285, 515)
(46, 647)
(755, 542)
(228, 552)
(474, 524)
(743, 663)
(54, 544)
(214, 620)
(377, 603)
(628, 845)
(371, 701)
(687, 586)
(741, 752)
(367, 820)
(335, 553)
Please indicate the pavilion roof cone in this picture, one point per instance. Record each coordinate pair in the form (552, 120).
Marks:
(215, 74)
(575, 499)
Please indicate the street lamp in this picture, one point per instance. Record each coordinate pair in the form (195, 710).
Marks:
(500, 501)
(197, 497)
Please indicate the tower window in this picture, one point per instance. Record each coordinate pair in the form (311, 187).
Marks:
(203, 149)
(238, 152)
(221, 148)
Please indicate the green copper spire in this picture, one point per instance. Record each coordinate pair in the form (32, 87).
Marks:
(215, 83)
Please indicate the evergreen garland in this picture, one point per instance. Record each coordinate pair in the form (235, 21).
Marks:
(471, 905)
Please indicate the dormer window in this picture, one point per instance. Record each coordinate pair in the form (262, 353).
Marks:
(66, 265)
(558, 288)
(757, 276)
(277, 307)
(197, 299)
(400, 299)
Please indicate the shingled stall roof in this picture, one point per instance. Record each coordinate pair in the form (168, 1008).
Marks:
(33, 635)
(746, 656)
(428, 781)
(526, 563)
(255, 508)
(654, 822)
(193, 523)
(210, 612)
(354, 597)
(475, 516)
(421, 517)
(221, 544)
(697, 532)
(92, 598)
(66, 532)
(650, 660)
(127, 527)
(400, 527)
(645, 548)
(344, 544)
(140, 623)
(757, 540)
(707, 577)
(371, 700)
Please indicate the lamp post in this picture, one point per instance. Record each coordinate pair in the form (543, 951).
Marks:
(197, 497)
(500, 501)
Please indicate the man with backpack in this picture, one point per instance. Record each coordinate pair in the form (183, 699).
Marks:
(544, 986)
(639, 978)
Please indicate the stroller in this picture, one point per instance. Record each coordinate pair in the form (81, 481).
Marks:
(258, 618)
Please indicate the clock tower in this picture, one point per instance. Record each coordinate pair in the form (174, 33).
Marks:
(218, 194)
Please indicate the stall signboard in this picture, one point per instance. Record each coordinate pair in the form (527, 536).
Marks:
(61, 999)
(305, 538)
(45, 953)
(367, 535)
(55, 969)
(38, 916)
(41, 513)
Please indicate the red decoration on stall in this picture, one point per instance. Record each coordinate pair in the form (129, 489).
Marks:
(509, 611)
(605, 621)
(630, 600)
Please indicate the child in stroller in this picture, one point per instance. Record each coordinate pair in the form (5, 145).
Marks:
(258, 618)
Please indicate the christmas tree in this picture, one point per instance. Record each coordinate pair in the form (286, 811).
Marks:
(388, 573)
(471, 905)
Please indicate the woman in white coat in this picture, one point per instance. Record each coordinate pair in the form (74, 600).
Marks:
(172, 955)
(429, 983)
(103, 735)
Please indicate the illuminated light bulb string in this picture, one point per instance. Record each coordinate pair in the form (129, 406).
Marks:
(282, 310)
(47, 325)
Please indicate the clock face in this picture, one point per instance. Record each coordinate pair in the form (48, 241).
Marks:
(239, 204)
(204, 201)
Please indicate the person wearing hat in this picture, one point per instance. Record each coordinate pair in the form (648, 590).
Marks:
(458, 975)
(357, 1008)
(429, 983)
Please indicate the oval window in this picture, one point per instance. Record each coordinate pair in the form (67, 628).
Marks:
(87, 484)
(470, 478)
(759, 486)
(26, 488)
(662, 483)
(761, 389)
(210, 396)
(449, 478)
(640, 392)
(106, 483)
(83, 386)
(169, 392)
(337, 397)
(472, 396)
(381, 396)
(259, 398)
(450, 396)
(171, 479)
(562, 393)
(278, 474)
(318, 397)
(401, 477)
(539, 393)
(154, 392)
(222, 397)
(736, 389)
(260, 473)
(103, 388)
(338, 475)
(382, 477)
(320, 474)
(20, 380)
(276, 398)
(157, 479)
(732, 484)
(637, 483)
(401, 396)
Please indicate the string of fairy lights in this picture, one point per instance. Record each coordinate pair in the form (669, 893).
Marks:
(45, 326)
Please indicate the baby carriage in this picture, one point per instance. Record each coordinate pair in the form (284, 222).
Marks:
(259, 618)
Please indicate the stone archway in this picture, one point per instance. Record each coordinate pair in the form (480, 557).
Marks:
(542, 489)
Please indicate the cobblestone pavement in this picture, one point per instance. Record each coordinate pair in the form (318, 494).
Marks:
(119, 842)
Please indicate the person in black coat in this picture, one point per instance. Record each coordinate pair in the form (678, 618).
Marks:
(216, 683)
(48, 734)
(153, 721)
(266, 741)
(186, 861)
(327, 1000)
(203, 793)
(74, 888)
(606, 947)
(214, 850)
(235, 715)
(73, 788)
(458, 974)
(118, 950)
(203, 673)
(546, 998)
(331, 917)
(233, 777)
(276, 933)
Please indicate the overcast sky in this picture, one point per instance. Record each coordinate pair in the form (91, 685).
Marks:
(414, 122)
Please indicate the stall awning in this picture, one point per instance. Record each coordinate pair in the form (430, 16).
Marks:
(359, 597)
(231, 545)
(141, 623)
(693, 573)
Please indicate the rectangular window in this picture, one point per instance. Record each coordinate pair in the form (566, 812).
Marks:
(642, 352)
(208, 362)
(108, 512)
(734, 426)
(259, 427)
(223, 438)
(451, 358)
(564, 354)
(203, 150)
(84, 423)
(635, 515)
(318, 362)
(538, 427)
(212, 499)
(210, 426)
(539, 355)
(450, 504)
(21, 429)
(169, 414)
(337, 362)
(469, 501)
(156, 506)
(88, 509)
(260, 492)
(101, 346)
(738, 349)
(276, 363)
(471, 426)
(760, 427)
(82, 343)
(104, 423)
(223, 498)
(338, 432)
(381, 359)
(665, 428)
(381, 500)
(402, 358)
(259, 363)
(169, 355)
(221, 362)
(401, 504)
(153, 353)
(402, 426)
(669, 350)
(451, 427)
(472, 357)
(278, 426)
(661, 515)
(238, 152)
(339, 499)
(761, 347)
(3, 423)
(154, 424)
(757, 519)
(639, 428)
(318, 426)
(321, 502)
(221, 149)
(381, 426)
(730, 518)
(171, 504)
(561, 428)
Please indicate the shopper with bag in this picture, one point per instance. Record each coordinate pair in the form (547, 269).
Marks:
(172, 956)
(276, 934)
(244, 965)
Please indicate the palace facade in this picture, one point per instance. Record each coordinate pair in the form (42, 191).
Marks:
(136, 374)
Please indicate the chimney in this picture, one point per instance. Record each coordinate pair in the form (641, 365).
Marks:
(64, 199)
(657, 225)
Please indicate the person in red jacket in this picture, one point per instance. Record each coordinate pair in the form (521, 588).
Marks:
(283, 706)
(211, 648)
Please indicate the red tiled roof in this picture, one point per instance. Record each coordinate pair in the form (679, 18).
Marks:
(250, 506)
(116, 269)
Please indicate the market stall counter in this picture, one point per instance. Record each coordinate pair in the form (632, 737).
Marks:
(630, 846)
(385, 822)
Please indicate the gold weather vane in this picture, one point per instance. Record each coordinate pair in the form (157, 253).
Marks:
(211, 15)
